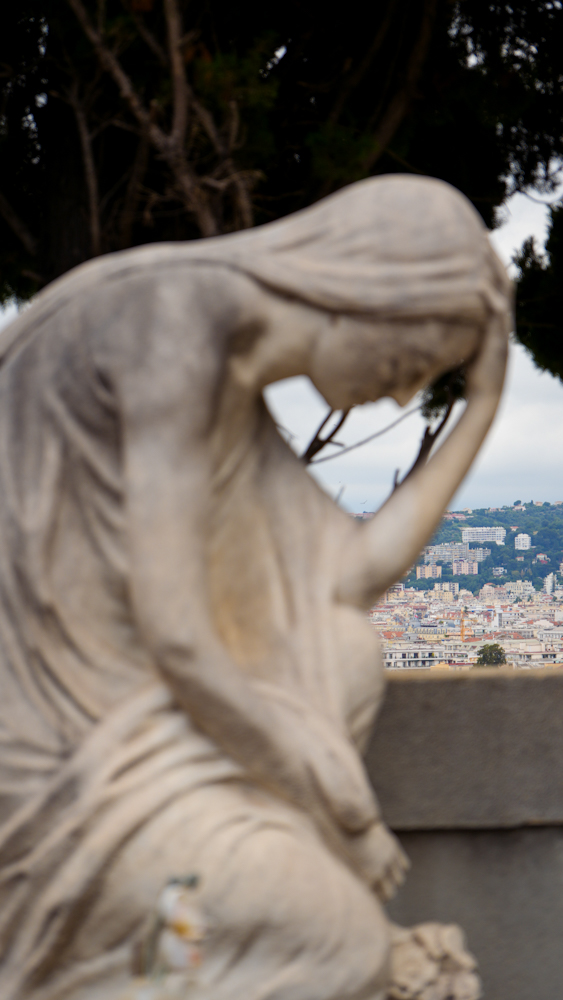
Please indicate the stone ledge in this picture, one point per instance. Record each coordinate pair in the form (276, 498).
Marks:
(475, 750)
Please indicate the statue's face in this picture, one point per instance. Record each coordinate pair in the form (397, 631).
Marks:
(356, 360)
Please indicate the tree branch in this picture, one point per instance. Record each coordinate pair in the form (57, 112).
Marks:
(115, 70)
(234, 125)
(133, 193)
(426, 445)
(17, 226)
(180, 87)
(90, 174)
(400, 103)
(243, 201)
(356, 78)
(147, 36)
(372, 437)
(318, 443)
(169, 147)
(209, 126)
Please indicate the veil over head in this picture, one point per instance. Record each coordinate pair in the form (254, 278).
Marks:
(398, 245)
(395, 246)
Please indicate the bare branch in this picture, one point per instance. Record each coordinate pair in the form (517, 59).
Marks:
(209, 126)
(356, 78)
(17, 226)
(90, 174)
(180, 87)
(234, 125)
(318, 443)
(195, 199)
(243, 202)
(426, 445)
(133, 193)
(372, 437)
(34, 276)
(111, 64)
(187, 184)
(147, 36)
(400, 103)
(101, 14)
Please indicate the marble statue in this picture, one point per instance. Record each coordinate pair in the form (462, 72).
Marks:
(187, 675)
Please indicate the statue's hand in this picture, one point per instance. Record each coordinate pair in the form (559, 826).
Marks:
(380, 858)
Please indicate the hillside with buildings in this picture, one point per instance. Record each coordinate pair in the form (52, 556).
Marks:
(523, 543)
(488, 576)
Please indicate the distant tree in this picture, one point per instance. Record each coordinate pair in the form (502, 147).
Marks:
(490, 655)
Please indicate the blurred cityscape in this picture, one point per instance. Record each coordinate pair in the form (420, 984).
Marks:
(484, 580)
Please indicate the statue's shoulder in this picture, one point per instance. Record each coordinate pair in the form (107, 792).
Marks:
(91, 286)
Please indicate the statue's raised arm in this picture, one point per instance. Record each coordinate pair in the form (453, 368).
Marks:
(187, 674)
(388, 545)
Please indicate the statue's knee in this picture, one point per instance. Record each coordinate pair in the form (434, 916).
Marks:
(290, 895)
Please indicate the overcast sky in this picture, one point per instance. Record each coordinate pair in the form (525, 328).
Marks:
(522, 458)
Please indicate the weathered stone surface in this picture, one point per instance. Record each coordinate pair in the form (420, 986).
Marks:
(505, 888)
(482, 749)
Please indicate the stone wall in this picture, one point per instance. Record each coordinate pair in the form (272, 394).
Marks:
(469, 772)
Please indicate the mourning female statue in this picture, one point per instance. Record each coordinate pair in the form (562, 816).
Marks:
(187, 674)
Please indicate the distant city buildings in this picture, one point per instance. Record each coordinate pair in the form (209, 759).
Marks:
(522, 541)
(428, 572)
(483, 535)
(499, 570)
(444, 628)
(520, 588)
(479, 555)
(447, 588)
(465, 567)
(448, 551)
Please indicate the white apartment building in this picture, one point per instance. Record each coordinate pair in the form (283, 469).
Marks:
(410, 656)
(520, 588)
(502, 619)
(522, 541)
(483, 535)
(446, 588)
(527, 659)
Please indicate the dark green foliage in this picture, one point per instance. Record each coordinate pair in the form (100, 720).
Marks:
(490, 655)
(445, 391)
(466, 92)
(539, 304)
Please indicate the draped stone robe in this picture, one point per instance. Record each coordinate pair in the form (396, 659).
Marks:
(93, 746)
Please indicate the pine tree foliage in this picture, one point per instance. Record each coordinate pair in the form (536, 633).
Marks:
(129, 121)
(539, 303)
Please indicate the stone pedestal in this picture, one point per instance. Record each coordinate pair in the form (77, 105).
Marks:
(469, 770)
